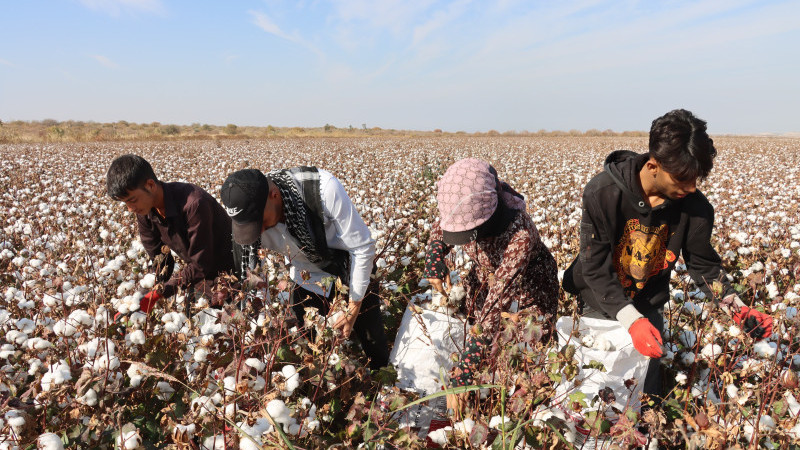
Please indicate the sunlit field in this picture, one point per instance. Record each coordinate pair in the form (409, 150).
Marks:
(243, 378)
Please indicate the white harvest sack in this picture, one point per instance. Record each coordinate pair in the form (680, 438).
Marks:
(423, 345)
(622, 361)
(422, 348)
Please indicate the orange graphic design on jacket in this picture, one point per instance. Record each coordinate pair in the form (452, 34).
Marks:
(641, 253)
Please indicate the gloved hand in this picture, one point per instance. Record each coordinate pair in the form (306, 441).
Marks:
(646, 338)
(147, 302)
(753, 322)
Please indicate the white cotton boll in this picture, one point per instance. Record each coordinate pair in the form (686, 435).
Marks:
(711, 351)
(51, 300)
(125, 287)
(258, 384)
(457, 293)
(734, 331)
(16, 337)
(732, 391)
(229, 384)
(498, 422)
(278, 411)
(757, 266)
(230, 410)
(439, 436)
(38, 344)
(424, 283)
(89, 398)
(129, 437)
(294, 429)
(601, 343)
(34, 365)
(186, 431)
(333, 359)
(217, 398)
(381, 263)
(15, 419)
(104, 362)
(202, 405)
(49, 441)
(64, 328)
(292, 379)
(772, 290)
(465, 426)
(405, 261)
(681, 378)
(148, 281)
(135, 337)
(255, 364)
(791, 402)
(57, 373)
(136, 374)
(765, 349)
(200, 354)
(688, 338)
(164, 391)
(687, 358)
(7, 350)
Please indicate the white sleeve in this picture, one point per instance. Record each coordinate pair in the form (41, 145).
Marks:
(352, 232)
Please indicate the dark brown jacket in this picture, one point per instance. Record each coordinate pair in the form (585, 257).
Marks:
(197, 229)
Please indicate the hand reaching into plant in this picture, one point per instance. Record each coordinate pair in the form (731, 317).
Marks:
(753, 322)
(348, 319)
(646, 338)
(147, 302)
(443, 286)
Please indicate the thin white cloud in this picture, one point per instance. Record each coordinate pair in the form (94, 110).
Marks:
(439, 20)
(105, 61)
(264, 22)
(7, 63)
(117, 7)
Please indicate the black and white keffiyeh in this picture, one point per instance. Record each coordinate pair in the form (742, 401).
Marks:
(294, 209)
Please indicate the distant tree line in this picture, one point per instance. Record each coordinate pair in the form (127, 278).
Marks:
(50, 130)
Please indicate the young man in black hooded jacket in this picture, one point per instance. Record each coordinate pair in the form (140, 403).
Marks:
(639, 215)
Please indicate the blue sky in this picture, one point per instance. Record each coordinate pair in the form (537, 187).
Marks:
(404, 64)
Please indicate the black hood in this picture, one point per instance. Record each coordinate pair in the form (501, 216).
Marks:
(623, 166)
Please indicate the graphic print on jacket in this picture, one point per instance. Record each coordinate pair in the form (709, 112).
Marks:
(640, 254)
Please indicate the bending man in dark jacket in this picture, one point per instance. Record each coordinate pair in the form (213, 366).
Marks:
(639, 215)
(181, 216)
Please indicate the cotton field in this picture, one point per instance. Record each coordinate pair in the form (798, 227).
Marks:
(192, 377)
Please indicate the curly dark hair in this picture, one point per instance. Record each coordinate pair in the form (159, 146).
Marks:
(680, 143)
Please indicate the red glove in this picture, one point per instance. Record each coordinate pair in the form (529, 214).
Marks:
(646, 338)
(148, 301)
(756, 324)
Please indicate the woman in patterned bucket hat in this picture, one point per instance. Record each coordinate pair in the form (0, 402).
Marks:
(512, 268)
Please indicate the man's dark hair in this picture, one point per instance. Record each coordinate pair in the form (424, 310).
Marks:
(127, 173)
(680, 143)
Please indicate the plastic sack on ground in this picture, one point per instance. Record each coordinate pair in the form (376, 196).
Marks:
(421, 352)
(606, 342)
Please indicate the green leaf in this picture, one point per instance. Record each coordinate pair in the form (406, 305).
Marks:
(455, 390)
(578, 397)
(595, 365)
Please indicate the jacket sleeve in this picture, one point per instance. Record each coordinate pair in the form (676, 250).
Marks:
(151, 239)
(199, 220)
(353, 233)
(597, 259)
(702, 261)
(516, 257)
(435, 267)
